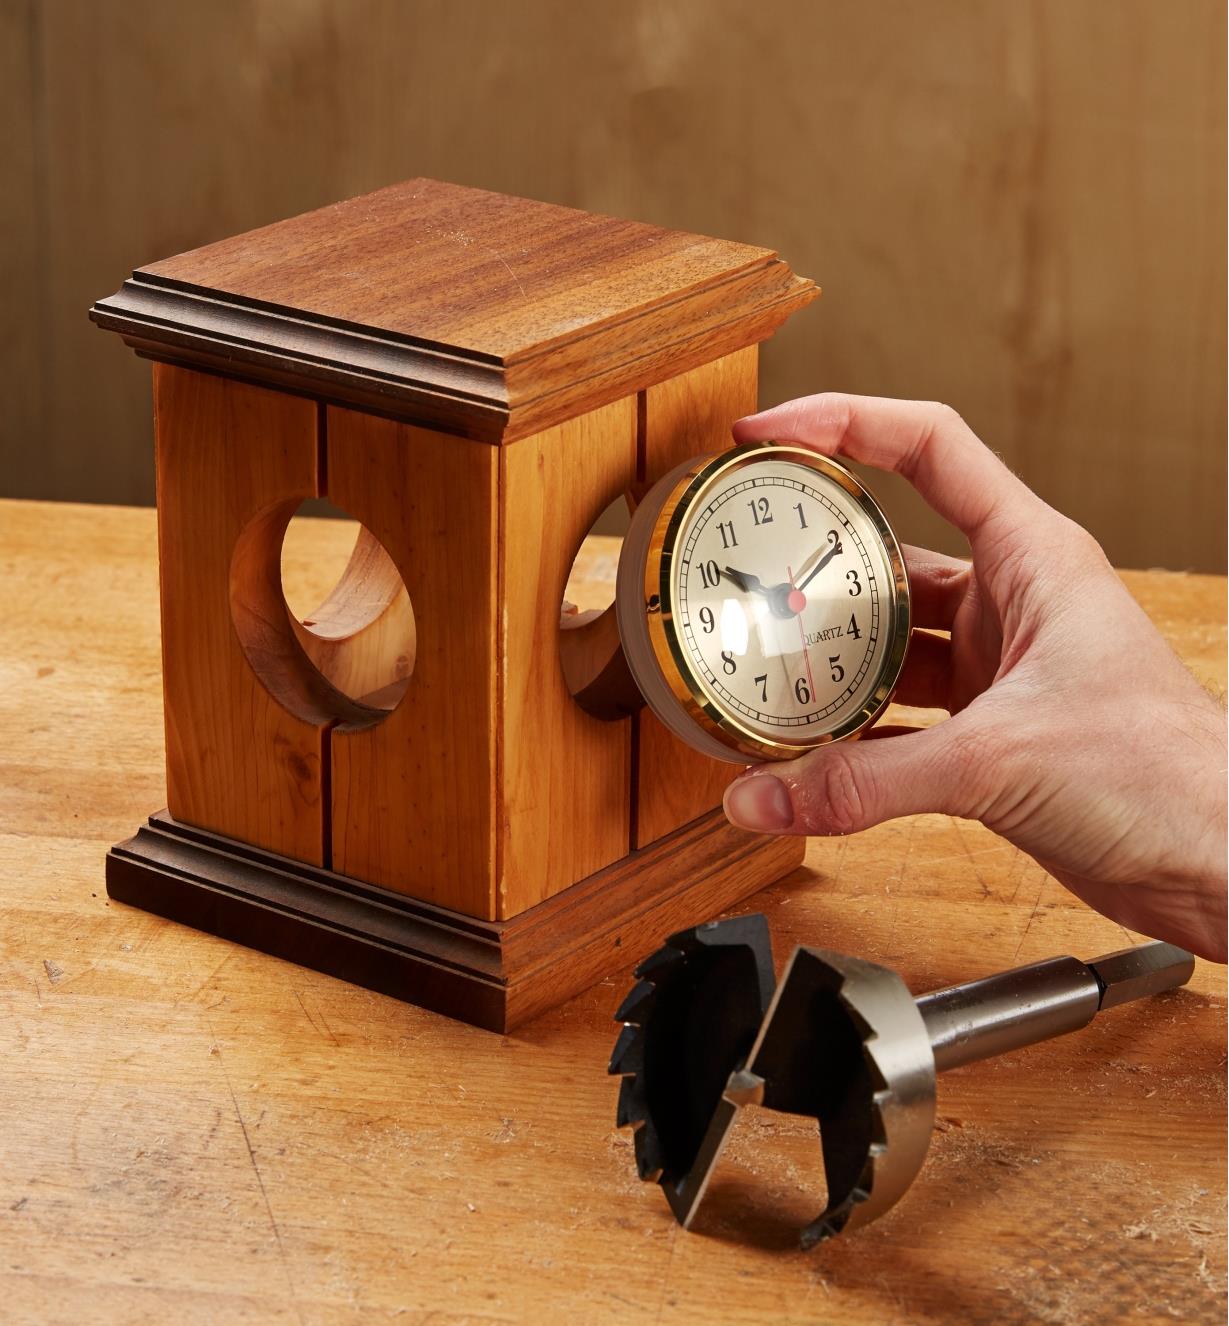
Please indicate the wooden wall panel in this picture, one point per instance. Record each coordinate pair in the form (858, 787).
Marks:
(238, 762)
(1016, 208)
(565, 792)
(23, 251)
(413, 796)
(684, 417)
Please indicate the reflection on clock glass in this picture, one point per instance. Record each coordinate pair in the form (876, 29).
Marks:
(782, 597)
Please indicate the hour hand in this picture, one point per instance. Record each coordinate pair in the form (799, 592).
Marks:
(778, 596)
(748, 583)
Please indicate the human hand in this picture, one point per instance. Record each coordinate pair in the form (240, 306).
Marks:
(1076, 732)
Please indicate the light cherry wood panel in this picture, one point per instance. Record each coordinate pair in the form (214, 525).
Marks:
(233, 458)
(413, 795)
(686, 416)
(565, 787)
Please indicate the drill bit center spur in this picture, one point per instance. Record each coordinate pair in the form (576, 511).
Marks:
(839, 1040)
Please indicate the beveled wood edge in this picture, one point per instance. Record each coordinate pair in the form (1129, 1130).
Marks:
(275, 346)
(491, 973)
(276, 906)
(345, 891)
(468, 394)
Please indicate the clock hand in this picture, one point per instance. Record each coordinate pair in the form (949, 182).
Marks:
(783, 599)
(819, 566)
(748, 583)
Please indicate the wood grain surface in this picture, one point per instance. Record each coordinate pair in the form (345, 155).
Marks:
(565, 780)
(196, 1133)
(429, 261)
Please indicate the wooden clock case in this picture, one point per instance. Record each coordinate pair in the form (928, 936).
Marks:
(474, 377)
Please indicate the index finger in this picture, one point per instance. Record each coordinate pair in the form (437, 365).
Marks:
(929, 444)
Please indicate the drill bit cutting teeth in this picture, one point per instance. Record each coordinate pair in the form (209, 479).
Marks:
(689, 1022)
(843, 1043)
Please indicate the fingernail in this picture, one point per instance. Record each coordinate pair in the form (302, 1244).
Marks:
(760, 802)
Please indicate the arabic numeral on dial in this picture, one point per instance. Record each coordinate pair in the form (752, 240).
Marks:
(729, 540)
(802, 691)
(710, 574)
(760, 510)
(802, 519)
(762, 682)
(707, 620)
(855, 586)
(853, 631)
(834, 662)
(835, 540)
(728, 666)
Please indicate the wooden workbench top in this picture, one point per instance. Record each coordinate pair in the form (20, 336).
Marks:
(192, 1132)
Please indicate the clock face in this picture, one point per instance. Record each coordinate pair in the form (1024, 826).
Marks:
(780, 582)
(782, 610)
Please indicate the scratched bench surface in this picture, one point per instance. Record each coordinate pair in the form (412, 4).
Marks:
(193, 1132)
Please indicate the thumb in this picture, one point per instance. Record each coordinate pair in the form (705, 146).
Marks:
(852, 785)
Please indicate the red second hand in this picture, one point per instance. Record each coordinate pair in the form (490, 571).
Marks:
(806, 653)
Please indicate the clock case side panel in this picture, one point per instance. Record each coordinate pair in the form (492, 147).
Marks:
(231, 456)
(688, 415)
(565, 784)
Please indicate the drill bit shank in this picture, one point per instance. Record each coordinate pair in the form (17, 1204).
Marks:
(982, 1019)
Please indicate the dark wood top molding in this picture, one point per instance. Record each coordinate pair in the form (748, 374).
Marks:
(479, 313)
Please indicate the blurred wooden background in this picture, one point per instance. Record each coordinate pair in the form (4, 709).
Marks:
(1015, 206)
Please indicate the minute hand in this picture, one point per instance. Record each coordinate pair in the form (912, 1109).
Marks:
(818, 567)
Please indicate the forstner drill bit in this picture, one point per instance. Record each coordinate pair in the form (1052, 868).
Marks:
(842, 1041)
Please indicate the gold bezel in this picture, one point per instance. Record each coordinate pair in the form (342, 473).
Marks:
(672, 658)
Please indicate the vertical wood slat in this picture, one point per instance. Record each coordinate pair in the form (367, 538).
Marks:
(686, 416)
(413, 797)
(238, 762)
(565, 795)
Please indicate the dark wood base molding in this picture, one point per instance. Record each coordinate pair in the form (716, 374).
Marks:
(494, 974)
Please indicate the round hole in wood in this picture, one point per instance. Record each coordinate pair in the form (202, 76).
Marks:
(589, 649)
(590, 588)
(322, 613)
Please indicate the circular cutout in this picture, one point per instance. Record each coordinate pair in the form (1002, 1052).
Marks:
(315, 553)
(348, 656)
(589, 649)
(590, 586)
